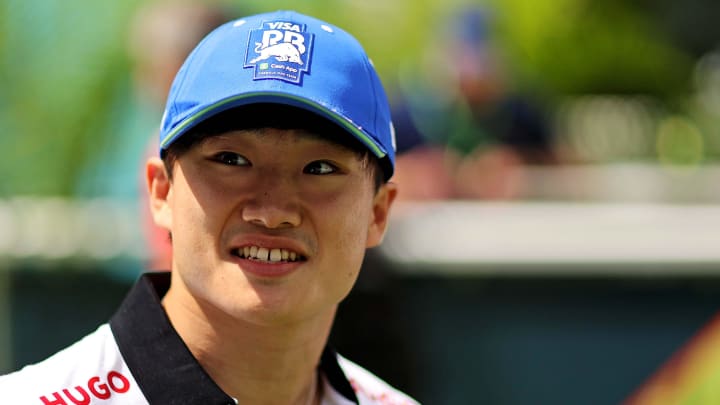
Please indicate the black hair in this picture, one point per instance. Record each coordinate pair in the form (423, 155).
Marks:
(278, 116)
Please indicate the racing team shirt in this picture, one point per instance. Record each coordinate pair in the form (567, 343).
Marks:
(138, 358)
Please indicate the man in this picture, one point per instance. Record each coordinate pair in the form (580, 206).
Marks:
(276, 149)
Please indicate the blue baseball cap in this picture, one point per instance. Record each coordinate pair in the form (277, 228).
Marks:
(286, 58)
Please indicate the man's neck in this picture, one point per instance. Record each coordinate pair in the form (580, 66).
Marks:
(257, 364)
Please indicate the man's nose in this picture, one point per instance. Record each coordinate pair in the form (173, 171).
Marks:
(275, 205)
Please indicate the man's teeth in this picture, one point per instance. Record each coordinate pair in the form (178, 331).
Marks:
(268, 255)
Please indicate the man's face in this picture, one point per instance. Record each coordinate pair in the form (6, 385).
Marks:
(268, 226)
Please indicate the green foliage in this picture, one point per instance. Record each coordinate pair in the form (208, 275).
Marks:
(61, 61)
(583, 46)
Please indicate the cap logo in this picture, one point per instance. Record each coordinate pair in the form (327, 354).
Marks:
(279, 50)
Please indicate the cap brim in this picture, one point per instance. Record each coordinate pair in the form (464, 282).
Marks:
(273, 97)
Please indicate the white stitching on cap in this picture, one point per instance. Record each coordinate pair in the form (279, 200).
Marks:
(326, 28)
(239, 23)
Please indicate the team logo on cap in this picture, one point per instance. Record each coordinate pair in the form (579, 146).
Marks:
(279, 50)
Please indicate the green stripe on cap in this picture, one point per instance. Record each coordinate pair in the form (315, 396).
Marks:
(339, 119)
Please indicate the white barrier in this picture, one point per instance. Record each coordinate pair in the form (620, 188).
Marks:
(555, 238)
(57, 228)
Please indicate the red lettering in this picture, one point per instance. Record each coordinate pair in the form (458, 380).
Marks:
(101, 391)
(115, 382)
(85, 400)
(112, 377)
(58, 400)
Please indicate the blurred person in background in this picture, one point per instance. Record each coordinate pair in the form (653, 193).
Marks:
(276, 151)
(462, 132)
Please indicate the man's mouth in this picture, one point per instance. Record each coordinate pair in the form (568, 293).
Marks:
(274, 255)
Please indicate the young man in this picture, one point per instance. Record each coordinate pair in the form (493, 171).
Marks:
(276, 148)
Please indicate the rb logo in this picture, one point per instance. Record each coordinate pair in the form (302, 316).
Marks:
(283, 47)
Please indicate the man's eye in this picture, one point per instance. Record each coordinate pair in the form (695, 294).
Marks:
(320, 167)
(230, 158)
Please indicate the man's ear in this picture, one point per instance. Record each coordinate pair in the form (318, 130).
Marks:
(382, 203)
(159, 191)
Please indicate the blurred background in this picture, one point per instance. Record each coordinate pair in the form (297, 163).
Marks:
(556, 238)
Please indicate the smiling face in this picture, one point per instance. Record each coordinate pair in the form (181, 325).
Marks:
(268, 225)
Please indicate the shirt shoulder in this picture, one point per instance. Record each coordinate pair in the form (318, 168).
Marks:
(90, 371)
(370, 389)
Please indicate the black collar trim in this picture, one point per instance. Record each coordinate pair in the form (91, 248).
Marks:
(161, 363)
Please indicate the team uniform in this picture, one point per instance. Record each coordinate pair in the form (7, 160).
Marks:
(138, 358)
